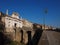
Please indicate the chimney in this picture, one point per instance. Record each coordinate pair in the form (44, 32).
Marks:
(7, 12)
(21, 18)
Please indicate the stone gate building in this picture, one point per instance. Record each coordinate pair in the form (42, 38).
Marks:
(13, 26)
(18, 29)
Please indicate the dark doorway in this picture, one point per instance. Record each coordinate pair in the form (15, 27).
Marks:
(21, 36)
(15, 25)
(29, 36)
(35, 39)
(15, 29)
(0, 18)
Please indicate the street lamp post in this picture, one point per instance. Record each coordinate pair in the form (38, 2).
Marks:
(45, 11)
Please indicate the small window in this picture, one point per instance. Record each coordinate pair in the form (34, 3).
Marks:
(9, 19)
(9, 22)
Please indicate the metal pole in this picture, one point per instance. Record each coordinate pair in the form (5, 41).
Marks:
(44, 21)
(46, 11)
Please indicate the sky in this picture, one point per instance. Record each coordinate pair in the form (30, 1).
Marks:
(33, 10)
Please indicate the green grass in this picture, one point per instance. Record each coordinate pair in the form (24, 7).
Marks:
(16, 43)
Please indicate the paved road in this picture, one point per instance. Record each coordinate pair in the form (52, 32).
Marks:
(50, 38)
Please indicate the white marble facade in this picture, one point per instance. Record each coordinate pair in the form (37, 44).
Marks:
(12, 21)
